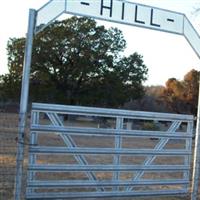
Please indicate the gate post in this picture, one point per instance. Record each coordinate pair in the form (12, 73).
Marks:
(196, 160)
(24, 103)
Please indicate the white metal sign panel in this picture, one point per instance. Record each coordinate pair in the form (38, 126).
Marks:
(128, 13)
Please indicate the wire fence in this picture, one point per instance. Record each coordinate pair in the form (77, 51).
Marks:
(8, 146)
(9, 117)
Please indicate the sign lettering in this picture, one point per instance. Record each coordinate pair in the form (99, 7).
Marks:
(128, 13)
(106, 7)
(136, 16)
(151, 21)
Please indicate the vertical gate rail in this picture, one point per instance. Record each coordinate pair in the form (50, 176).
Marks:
(85, 152)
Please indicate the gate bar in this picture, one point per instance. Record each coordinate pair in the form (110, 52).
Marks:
(24, 103)
(196, 160)
(117, 194)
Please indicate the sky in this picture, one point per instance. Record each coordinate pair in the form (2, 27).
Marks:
(166, 55)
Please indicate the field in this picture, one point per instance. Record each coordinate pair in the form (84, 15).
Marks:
(8, 143)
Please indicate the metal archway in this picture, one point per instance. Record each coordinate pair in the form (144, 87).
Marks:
(118, 11)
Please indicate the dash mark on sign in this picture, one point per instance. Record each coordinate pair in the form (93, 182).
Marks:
(85, 3)
(170, 20)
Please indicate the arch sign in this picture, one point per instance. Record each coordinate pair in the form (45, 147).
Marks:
(118, 11)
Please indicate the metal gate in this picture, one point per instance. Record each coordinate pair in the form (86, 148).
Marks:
(83, 152)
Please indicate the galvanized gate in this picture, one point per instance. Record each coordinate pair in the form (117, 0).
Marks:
(83, 152)
(118, 11)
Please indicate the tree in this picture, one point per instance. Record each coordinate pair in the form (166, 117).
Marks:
(191, 83)
(9, 88)
(150, 101)
(182, 96)
(77, 62)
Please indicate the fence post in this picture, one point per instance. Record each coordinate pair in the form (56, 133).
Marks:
(24, 103)
(195, 177)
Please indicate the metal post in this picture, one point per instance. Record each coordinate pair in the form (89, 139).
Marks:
(195, 178)
(24, 103)
(118, 145)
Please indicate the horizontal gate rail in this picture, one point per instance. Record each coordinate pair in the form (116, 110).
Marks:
(83, 152)
(103, 195)
(95, 131)
(81, 110)
(61, 168)
(37, 184)
(64, 150)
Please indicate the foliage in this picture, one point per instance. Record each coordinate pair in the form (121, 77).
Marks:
(77, 62)
(176, 96)
(149, 102)
(182, 96)
(9, 88)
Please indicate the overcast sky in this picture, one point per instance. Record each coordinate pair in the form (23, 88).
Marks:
(166, 55)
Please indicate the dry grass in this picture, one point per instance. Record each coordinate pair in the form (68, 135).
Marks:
(8, 134)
